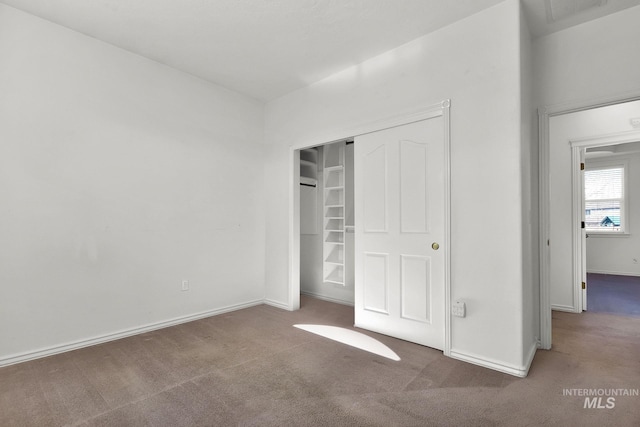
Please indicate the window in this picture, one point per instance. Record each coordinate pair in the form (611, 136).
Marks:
(604, 198)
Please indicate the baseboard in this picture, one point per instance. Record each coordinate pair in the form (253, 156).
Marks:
(277, 304)
(559, 307)
(518, 371)
(530, 356)
(326, 298)
(613, 273)
(50, 351)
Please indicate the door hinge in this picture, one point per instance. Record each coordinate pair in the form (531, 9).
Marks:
(582, 224)
(581, 166)
(584, 285)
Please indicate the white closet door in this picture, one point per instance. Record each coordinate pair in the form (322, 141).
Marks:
(400, 232)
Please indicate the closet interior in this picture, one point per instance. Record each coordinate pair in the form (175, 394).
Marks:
(327, 222)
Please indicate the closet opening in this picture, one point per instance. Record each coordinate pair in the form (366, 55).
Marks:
(389, 256)
(326, 206)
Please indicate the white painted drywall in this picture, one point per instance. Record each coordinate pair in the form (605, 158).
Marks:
(594, 60)
(615, 255)
(563, 129)
(475, 63)
(119, 177)
(309, 218)
(529, 173)
(311, 263)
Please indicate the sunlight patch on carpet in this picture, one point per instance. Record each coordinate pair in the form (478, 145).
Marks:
(352, 338)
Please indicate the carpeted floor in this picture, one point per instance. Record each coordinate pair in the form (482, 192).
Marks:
(252, 368)
(613, 294)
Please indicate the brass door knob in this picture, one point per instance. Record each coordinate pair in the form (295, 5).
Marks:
(435, 246)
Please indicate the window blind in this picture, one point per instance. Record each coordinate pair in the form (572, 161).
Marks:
(604, 197)
(602, 184)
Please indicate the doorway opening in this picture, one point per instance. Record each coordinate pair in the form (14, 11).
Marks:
(610, 263)
(600, 169)
(567, 133)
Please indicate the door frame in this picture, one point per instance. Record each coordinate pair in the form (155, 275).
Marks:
(578, 148)
(544, 115)
(435, 110)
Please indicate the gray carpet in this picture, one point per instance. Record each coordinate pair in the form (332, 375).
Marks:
(607, 293)
(252, 368)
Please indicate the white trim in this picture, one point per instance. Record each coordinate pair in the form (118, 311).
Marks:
(518, 371)
(544, 113)
(435, 110)
(278, 304)
(411, 116)
(560, 307)
(605, 140)
(529, 358)
(578, 147)
(577, 154)
(56, 349)
(446, 115)
(615, 273)
(598, 234)
(294, 229)
(326, 298)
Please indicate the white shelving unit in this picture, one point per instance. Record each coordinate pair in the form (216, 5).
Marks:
(334, 214)
(309, 166)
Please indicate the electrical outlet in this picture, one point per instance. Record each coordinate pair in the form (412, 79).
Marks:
(185, 285)
(458, 309)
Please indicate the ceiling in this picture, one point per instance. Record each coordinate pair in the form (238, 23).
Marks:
(550, 16)
(267, 48)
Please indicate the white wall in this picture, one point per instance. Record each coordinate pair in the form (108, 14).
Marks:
(529, 161)
(475, 63)
(615, 255)
(598, 59)
(311, 244)
(119, 177)
(563, 129)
